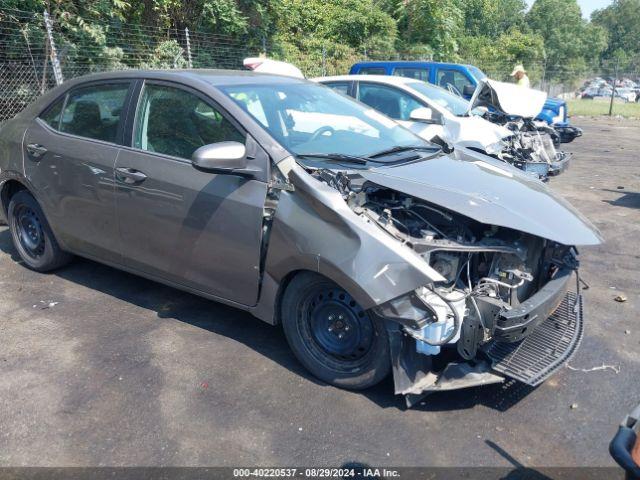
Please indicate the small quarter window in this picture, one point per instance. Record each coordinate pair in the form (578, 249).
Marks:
(51, 115)
(94, 112)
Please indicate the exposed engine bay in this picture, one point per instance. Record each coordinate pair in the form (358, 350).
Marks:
(532, 147)
(499, 285)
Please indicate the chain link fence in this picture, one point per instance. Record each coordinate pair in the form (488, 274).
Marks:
(82, 47)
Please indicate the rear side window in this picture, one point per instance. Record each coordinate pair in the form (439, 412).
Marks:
(94, 112)
(175, 122)
(51, 116)
(412, 72)
(372, 71)
(340, 87)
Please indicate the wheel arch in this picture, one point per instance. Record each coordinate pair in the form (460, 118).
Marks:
(9, 188)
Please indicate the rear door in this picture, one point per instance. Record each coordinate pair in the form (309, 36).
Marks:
(194, 228)
(70, 153)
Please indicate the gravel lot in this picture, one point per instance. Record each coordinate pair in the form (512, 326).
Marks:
(100, 367)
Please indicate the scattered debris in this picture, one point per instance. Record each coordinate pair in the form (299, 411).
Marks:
(615, 368)
(621, 298)
(43, 304)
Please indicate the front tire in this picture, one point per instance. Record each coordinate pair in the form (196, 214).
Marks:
(332, 336)
(32, 236)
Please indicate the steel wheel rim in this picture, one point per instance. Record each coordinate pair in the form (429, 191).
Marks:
(29, 231)
(338, 327)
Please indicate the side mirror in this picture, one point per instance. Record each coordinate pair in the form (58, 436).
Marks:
(422, 114)
(222, 157)
(468, 90)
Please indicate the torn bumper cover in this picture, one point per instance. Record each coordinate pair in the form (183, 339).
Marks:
(568, 133)
(529, 343)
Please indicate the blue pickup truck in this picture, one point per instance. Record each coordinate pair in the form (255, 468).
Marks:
(463, 79)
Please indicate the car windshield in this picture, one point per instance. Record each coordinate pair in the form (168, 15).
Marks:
(456, 105)
(313, 119)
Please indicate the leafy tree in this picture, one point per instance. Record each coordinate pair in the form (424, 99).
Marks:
(621, 20)
(437, 23)
(492, 18)
(571, 43)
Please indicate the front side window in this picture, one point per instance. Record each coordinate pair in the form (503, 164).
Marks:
(307, 118)
(392, 102)
(94, 112)
(51, 116)
(453, 80)
(412, 72)
(455, 104)
(175, 122)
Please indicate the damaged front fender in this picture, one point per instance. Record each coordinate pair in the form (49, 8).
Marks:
(315, 230)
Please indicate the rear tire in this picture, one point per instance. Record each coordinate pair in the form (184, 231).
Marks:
(32, 236)
(332, 336)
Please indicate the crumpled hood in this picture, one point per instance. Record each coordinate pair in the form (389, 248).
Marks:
(508, 98)
(487, 192)
(474, 131)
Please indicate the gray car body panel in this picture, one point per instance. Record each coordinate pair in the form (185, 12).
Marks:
(313, 228)
(487, 192)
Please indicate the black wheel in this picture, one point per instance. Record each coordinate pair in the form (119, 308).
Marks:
(32, 235)
(332, 336)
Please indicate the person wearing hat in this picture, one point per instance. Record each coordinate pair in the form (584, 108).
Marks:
(520, 75)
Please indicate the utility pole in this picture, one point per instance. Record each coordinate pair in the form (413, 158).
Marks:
(613, 90)
(53, 54)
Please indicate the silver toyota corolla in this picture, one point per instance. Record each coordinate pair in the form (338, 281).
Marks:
(376, 251)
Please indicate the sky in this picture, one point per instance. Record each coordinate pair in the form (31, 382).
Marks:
(587, 6)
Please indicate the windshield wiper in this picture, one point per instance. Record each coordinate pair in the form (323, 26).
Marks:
(336, 157)
(389, 151)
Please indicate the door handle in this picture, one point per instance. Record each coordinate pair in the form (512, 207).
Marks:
(36, 150)
(130, 176)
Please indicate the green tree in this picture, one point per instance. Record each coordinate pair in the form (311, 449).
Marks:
(572, 45)
(621, 20)
(492, 18)
(436, 23)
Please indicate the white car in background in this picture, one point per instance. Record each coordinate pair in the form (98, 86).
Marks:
(437, 115)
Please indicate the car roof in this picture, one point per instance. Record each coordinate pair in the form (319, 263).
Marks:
(388, 79)
(406, 63)
(211, 76)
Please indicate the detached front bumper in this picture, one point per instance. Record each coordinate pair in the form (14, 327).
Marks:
(559, 166)
(531, 342)
(568, 133)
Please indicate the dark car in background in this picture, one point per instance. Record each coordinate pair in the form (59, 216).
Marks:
(374, 250)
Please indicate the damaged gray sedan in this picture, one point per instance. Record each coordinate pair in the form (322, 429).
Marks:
(377, 252)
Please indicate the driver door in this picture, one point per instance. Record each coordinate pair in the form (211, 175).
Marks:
(193, 228)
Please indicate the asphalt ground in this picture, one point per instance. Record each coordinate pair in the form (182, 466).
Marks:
(99, 367)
